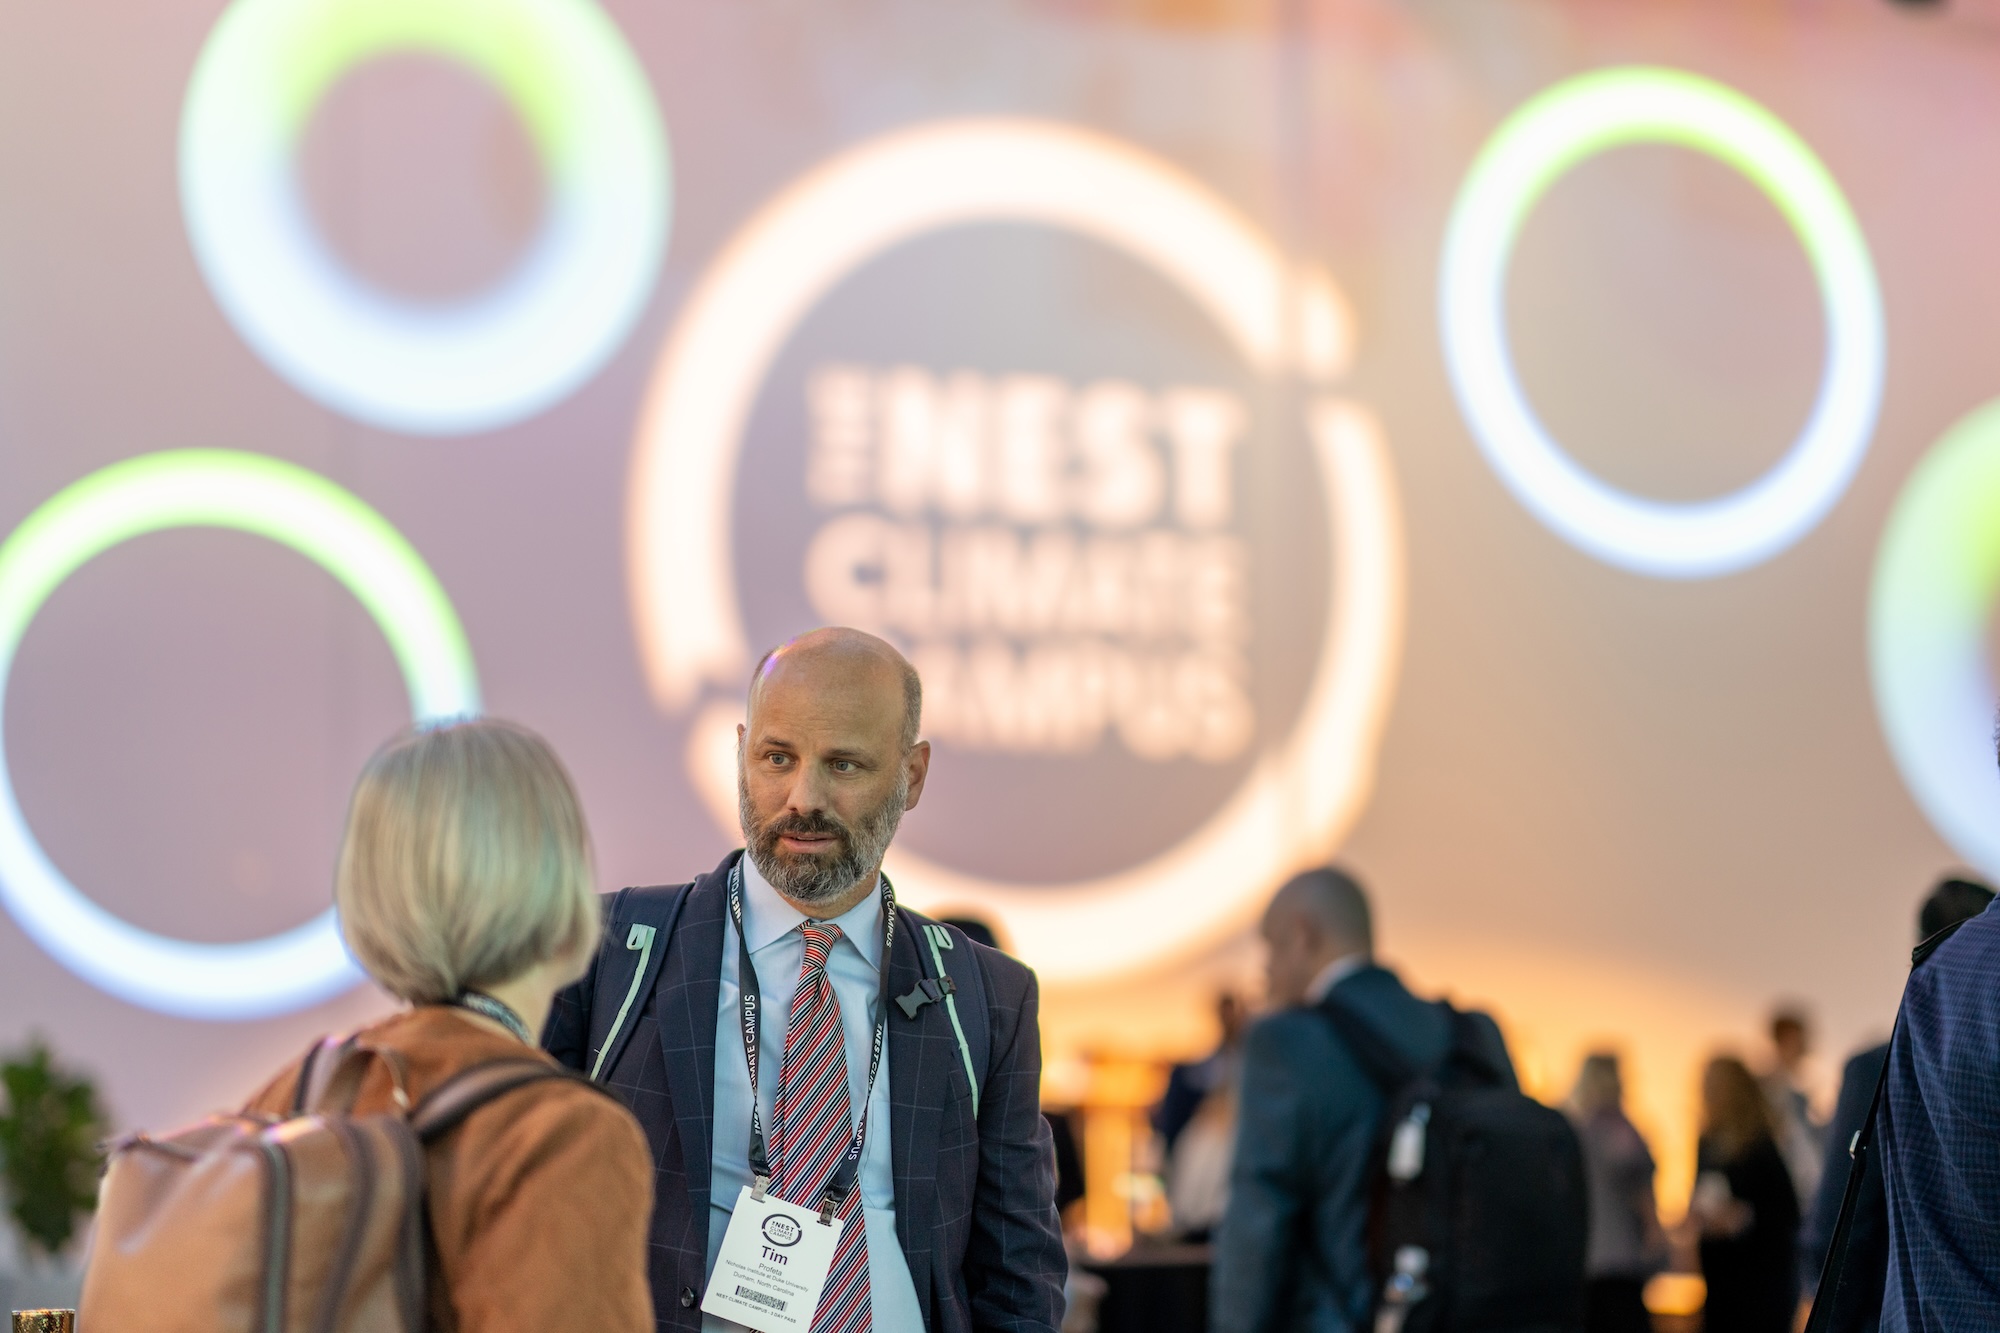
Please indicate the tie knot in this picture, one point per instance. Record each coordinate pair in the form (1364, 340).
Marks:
(820, 937)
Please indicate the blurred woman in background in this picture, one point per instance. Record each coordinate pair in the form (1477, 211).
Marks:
(465, 889)
(1744, 1212)
(1627, 1245)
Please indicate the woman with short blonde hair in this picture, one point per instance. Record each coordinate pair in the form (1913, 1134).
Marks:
(466, 862)
(464, 888)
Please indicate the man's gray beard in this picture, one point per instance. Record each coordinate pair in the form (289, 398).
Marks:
(817, 879)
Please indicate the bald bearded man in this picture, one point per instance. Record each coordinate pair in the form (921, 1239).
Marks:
(931, 1150)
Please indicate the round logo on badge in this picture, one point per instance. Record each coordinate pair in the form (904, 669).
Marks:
(781, 1231)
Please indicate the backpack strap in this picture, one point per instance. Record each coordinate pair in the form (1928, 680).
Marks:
(939, 939)
(1385, 1065)
(1833, 1275)
(330, 1078)
(316, 1072)
(448, 1104)
(1471, 1056)
(640, 923)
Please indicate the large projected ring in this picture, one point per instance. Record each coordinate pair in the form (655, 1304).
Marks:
(1541, 141)
(1305, 792)
(319, 520)
(1937, 577)
(427, 369)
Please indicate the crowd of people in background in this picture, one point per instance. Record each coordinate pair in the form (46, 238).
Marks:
(1769, 1183)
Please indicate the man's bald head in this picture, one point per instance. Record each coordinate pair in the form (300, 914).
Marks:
(1315, 920)
(1332, 903)
(837, 657)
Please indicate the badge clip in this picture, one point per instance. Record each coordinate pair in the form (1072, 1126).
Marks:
(758, 1186)
(927, 991)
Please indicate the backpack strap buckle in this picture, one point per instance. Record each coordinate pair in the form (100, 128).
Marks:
(928, 990)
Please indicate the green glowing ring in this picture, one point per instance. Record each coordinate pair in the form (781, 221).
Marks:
(1538, 143)
(319, 520)
(1937, 576)
(470, 365)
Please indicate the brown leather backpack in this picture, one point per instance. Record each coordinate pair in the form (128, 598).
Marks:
(312, 1224)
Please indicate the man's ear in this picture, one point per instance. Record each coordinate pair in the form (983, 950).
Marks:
(917, 764)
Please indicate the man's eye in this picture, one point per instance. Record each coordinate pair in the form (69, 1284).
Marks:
(780, 760)
(843, 765)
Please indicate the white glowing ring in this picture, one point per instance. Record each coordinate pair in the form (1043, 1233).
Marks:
(328, 525)
(1299, 800)
(421, 368)
(1538, 143)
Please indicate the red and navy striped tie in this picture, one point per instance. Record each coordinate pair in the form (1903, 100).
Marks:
(814, 1127)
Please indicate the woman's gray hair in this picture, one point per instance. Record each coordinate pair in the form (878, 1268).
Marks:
(466, 862)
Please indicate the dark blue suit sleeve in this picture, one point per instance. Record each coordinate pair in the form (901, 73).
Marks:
(566, 1035)
(1014, 1260)
(1267, 1182)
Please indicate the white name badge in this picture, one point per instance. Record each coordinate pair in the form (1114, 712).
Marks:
(773, 1265)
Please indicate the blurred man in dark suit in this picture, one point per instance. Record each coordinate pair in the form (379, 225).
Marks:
(1291, 1253)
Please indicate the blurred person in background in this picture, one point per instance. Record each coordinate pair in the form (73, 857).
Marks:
(1953, 900)
(1191, 1082)
(1196, 1122)
(1801, 1139)
(1627, 1244)
(1198, 1170)
(1744, 1213)
(1939, 1137)
(465, 890)
(1291, 1253)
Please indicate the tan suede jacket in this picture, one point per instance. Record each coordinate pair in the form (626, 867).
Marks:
(539, 1202)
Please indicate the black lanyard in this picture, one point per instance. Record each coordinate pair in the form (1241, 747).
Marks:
(844, 1175)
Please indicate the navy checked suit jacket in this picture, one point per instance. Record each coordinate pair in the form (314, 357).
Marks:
(1939, 1131)
(975, 1197)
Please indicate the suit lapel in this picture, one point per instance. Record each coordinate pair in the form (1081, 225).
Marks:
(913, 1115)
(689, 988)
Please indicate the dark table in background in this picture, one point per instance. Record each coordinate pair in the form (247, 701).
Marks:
(1155, 1289)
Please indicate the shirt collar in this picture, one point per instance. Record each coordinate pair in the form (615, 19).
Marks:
(1329, 976)
(767, 916)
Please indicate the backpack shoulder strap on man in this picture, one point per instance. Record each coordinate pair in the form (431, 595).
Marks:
(1385, 1065)
(1834, 1277)
(960, 985)
(636, 931)
(964, 999)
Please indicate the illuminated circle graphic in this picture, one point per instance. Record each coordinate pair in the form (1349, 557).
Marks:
(1541, 141)
(1937, 577)
(428, 369)
(319, 520)
(1303, 795)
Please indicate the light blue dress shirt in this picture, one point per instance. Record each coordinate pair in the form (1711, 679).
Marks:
(778, 950)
